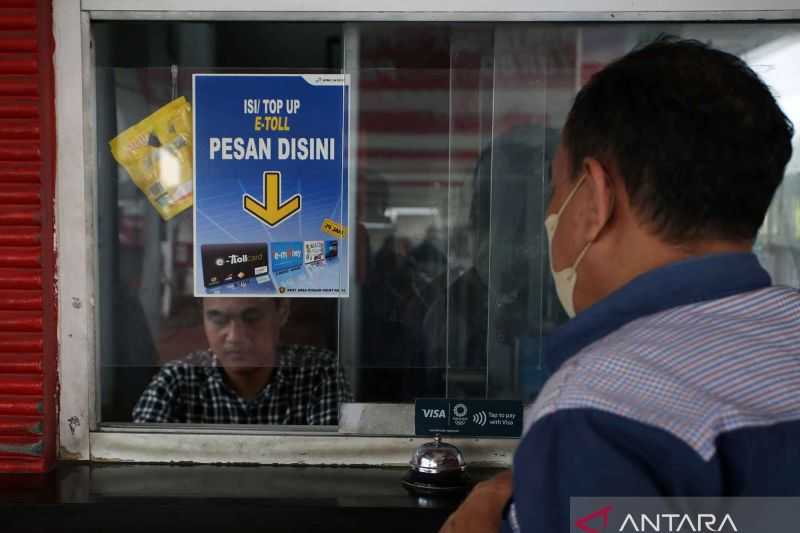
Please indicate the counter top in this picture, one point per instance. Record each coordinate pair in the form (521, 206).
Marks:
(125, 497)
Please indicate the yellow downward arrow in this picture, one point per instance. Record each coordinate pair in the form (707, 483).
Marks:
(272, 212)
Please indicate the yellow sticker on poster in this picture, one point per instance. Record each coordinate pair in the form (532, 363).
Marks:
(157, 153)
(333, 229)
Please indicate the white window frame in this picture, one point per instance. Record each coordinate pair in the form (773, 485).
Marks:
(79, 435)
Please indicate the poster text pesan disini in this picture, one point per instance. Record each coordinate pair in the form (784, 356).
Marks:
(272, 115)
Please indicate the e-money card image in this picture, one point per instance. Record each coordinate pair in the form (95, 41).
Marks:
(287, 256)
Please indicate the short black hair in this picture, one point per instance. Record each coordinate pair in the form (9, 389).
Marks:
(696, 136)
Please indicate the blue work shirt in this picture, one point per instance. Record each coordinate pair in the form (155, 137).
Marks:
(684, 382)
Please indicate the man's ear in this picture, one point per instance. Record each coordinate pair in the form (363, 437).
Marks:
(599, 187)
(284, 310)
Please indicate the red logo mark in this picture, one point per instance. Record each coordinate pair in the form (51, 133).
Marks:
(581, 523)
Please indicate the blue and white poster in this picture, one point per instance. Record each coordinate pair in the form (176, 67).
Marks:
(271, 184)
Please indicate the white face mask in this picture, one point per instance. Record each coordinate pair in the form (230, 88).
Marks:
(565, 279)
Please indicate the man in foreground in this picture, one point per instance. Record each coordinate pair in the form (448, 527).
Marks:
(680, 373)
(246, 376)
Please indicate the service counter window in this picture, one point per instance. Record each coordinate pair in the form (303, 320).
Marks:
(452, 129)
(167, 356)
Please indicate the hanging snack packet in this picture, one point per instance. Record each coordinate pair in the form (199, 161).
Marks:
(157, 153)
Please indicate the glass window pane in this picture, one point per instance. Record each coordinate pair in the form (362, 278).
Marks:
(403, 187)
(451, 293)
(149, 320)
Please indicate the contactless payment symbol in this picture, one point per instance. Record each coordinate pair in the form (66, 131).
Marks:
(479, 418)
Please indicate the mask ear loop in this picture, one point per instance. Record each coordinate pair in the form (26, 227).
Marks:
(563, 206)
(580, 258)
(570, 195)
(588, 244)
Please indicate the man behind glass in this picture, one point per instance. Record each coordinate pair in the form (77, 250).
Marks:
(246, 376)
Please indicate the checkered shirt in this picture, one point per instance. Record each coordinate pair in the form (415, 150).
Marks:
(306, 389)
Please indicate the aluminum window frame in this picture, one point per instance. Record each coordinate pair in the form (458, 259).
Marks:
(80, 436)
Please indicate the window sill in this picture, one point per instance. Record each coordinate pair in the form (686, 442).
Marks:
(283, 449)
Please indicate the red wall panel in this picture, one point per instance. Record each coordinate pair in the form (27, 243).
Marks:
(28, 387)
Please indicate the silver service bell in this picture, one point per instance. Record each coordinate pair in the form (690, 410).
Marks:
(437, 468)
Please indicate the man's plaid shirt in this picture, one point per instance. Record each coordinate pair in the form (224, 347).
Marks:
(306, 388)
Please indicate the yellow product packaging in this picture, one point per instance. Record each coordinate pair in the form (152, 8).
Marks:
(157, 153)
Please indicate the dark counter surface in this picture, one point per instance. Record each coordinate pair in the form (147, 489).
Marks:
(123, 497)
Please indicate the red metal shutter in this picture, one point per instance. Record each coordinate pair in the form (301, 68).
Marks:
(28, 369)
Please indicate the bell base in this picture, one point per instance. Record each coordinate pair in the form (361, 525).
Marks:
(437, 484)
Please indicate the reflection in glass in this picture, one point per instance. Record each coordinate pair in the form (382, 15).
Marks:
(778, 244)
(451, 294)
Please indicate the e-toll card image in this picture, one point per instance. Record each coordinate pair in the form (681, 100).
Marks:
(225, 263)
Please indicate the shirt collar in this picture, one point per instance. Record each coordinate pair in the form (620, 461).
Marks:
(214, 371)
(685, 282)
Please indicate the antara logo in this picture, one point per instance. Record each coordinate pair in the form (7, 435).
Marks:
(582, 522)
(660, 523)
(674, 522)
(433, 413)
